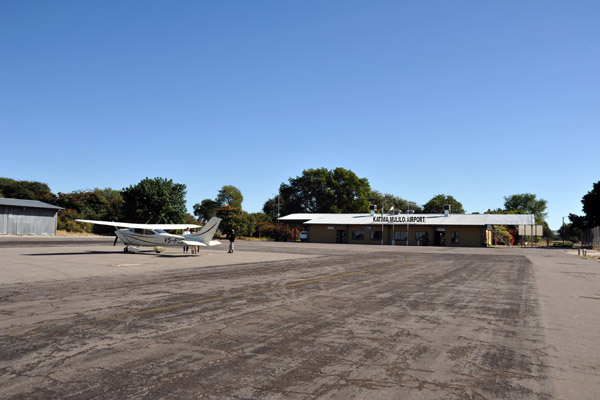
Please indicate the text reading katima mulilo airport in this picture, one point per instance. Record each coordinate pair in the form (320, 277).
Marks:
(399, 219)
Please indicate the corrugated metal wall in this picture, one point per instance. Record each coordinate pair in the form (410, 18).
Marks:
(591, 238)
(596, 238)
(27, 221)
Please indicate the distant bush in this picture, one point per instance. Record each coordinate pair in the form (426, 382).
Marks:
(565, 244)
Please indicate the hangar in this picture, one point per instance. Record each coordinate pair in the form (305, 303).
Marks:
(27, 217)
(452, 230)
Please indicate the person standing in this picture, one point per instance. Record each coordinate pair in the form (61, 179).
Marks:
(185, 233)
(231, 240)
(194, 248)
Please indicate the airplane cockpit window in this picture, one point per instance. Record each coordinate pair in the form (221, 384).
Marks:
(160, 231)
(148, 232)
(140, 231)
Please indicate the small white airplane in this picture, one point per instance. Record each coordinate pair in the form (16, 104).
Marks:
(136, 235)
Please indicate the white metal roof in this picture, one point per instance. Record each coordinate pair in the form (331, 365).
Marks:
(412, 219)
(302, 217)
(26, 203)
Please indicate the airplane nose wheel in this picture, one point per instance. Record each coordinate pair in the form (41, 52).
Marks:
(125, 249)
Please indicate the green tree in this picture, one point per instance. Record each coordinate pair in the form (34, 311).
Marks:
(503, 211)
(436, 205)
(230, 196)
(114, 204)
(547, 234)
(502, 234)
(206, 209)
(231, 219)
(579, 222)
(248, 226)
(272, 207)
(325, 191)
(572, 231)
(262, 223)
(155, 200)
(528, 204)
(189, 219)
(387, 200)
(26, 190)
(591, 205)
(98, 204)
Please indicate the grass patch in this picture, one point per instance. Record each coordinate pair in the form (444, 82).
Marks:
(61, 232)
(567, 245)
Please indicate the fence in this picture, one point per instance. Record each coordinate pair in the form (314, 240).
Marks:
(591, 238)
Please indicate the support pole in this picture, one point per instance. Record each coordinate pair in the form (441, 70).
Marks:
(408, 214)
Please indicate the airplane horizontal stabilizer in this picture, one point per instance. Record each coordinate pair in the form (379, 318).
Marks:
(193, 243)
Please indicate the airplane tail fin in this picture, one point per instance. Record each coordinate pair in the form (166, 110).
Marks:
(206, 234)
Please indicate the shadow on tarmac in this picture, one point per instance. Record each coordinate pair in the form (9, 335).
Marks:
(73, 253)
(94, 252)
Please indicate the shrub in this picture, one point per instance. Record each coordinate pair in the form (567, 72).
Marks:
(565, 244)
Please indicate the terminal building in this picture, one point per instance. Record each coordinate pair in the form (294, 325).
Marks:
(451, 230)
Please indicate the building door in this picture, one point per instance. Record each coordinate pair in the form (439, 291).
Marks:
(440, 238)
(341, 237)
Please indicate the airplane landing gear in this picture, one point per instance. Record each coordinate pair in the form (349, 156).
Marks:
(131, 249)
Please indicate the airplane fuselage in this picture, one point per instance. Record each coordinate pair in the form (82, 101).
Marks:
(148, 237)
(135, 235)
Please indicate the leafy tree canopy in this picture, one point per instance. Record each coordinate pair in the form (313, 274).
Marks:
(503, 211)
(262, 218)
(572, 231)
(230, 196)
(578, 221)
(387, 200)
(206, 209)
(272, 207)
(155, 200)
(436, 205)
(325, 191)
(26, 190)
(232, 218)
(591, 205)
(100, 204)
(528, 203)
(114, 198)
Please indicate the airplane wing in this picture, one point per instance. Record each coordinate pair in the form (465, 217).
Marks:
(165, 227)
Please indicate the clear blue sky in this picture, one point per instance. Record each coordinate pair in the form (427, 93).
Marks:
(474, 99)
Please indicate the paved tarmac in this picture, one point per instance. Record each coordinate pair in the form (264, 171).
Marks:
(80, 319)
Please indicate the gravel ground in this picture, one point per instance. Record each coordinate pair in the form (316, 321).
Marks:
(82, 320)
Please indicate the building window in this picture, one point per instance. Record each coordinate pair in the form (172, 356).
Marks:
(422, 238)
(358, 235)
(402, 236)
(454, 238)
(376, 235)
